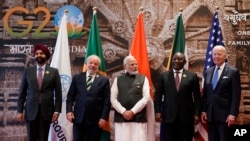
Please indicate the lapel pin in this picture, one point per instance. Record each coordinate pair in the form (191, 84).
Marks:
(138, 85)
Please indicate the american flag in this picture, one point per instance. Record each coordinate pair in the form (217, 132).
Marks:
(215, 38)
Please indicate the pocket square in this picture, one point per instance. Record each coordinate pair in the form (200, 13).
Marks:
(225, 77)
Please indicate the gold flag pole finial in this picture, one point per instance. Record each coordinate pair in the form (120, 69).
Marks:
(180, 9)
(141, 8)
(66, 11)
(95, 8)
(217, 8)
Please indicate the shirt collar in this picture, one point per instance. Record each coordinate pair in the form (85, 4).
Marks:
(87, 74)
(180, 71)
(221, 67)
(43, 67)
(129, 74)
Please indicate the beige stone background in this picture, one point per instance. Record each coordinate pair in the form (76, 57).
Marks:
(116, 19)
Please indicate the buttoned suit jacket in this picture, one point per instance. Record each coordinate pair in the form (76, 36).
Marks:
(49, 96)
(225, 99)
(183, 104)
(89, 106)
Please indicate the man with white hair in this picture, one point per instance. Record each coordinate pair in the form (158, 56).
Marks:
(221, 96)
(129, 97)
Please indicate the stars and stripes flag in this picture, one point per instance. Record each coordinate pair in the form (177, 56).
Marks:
(215, 38)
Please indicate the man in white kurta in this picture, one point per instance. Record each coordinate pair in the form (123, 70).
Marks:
(129, 96)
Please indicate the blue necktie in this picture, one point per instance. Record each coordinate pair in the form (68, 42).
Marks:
(215, 78)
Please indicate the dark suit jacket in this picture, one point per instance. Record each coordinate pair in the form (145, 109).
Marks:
(50, 95)
(184, 104)
(225, 99)
(89, 105)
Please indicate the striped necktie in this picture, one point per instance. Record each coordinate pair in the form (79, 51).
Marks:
(89, 82)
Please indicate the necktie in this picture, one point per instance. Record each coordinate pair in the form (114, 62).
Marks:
(177, 80)
(89, 82)
(40, 77)
(215, 78)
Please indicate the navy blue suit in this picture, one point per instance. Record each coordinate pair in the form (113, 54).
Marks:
(88, 106)
(222, 101)
(39, 104)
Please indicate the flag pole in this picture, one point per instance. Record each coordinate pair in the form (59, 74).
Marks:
(61, 61)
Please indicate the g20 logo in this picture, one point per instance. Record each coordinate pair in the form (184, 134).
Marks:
(74, 22)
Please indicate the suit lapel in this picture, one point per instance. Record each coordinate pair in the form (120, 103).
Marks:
(95, 82)
(172, 78)
(45, 76)
(210, 76)
(84, 80)
(184, 73)
(34, 73)
(223, 73)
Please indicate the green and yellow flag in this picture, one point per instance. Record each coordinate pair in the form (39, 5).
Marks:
(94, 45)
(179, 40)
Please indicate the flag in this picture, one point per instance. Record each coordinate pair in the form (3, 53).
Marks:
(215, 38)
(179, 40)
(178, 45)
(139, 51)
(94, 47)
(62, 128)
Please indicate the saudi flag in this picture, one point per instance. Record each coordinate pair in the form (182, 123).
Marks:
(94, 47)
(179, 41)
(61, 130)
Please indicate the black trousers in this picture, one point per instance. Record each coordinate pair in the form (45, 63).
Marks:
(178, 131)
(86, 132)
(38, 129)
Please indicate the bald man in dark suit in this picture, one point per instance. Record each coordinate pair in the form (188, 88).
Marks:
(180, 109)
(221, 99)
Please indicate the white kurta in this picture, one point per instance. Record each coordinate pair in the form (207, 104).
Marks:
(134, 131)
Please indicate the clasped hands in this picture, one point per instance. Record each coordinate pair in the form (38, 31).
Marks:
(128, 115)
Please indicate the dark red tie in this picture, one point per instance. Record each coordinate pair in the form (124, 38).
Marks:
(177, 80)
(40, 77)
